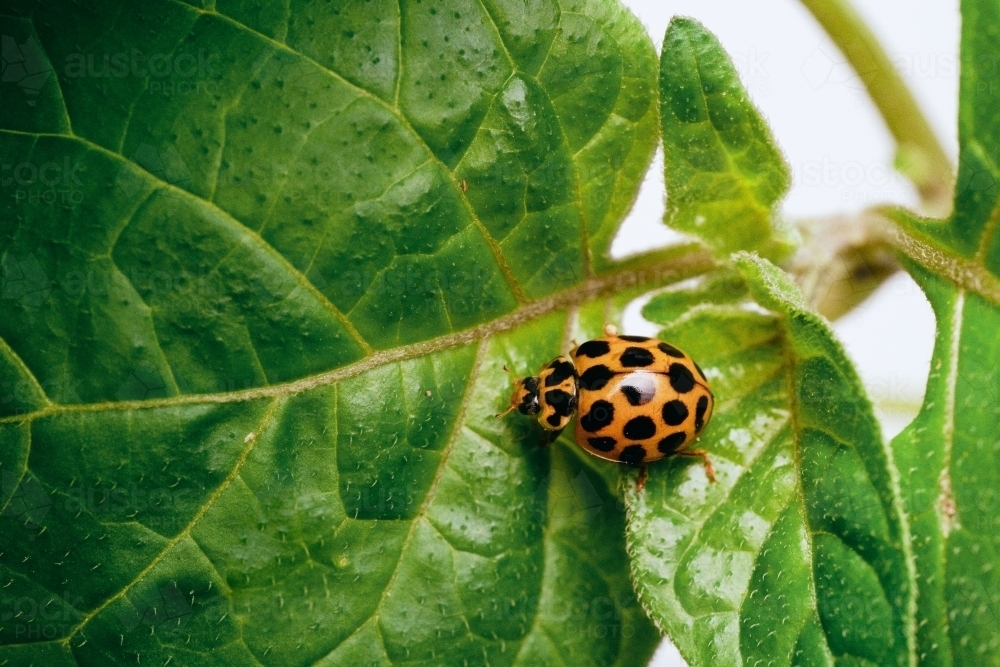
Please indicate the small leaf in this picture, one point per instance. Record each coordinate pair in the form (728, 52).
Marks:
(724, 172)
(719, 287)
(798, 553)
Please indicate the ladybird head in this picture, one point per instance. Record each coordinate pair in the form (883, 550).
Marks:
(524, 398)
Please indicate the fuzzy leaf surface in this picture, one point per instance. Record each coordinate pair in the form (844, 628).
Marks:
(797, 555)
(724, 172)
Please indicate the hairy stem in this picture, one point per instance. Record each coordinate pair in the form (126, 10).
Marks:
(920, 155)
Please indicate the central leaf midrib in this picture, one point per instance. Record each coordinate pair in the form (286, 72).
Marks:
(741, 183)
(673, 267)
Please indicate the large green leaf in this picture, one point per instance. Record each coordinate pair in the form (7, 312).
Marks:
(949, 456)
(262, 265)
(797, 556)
(724, 173)
(950, 469)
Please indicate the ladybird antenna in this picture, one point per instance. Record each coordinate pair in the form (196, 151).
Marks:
(509, 372)
(505, 412)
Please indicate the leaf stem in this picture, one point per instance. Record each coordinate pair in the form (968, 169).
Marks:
(920, 155)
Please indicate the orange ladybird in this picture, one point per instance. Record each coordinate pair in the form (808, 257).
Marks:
(638, 399)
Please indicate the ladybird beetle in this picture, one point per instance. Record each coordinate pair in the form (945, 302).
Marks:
(639, 399)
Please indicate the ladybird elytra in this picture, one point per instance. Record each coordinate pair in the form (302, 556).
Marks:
(637, 399)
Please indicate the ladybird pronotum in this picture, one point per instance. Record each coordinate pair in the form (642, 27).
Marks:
(638, 399)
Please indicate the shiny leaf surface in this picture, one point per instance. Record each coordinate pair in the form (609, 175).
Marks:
(262, 265)
(949, 457)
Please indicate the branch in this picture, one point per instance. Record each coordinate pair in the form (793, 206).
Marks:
(920, 155)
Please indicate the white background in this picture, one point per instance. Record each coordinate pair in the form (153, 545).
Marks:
(840, 154)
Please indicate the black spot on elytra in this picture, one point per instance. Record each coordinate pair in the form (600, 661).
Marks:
(634, 357)
(639, 388)
(633, 454)
(593, 349)
(674, 412)
(601, 414)
(595, 377)
(639, 428)
(602, 444)
(560, 401)
(699, 413)
(670, 350)
(554, 419)
(670, 443)
(561, 371)
(680, 378)
(635, 339)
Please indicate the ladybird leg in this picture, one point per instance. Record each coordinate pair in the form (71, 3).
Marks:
(551, 436)
(640, 483)
(703, 455)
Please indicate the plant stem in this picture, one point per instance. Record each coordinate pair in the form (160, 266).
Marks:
(920, 155)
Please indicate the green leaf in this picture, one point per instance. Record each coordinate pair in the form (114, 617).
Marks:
(948, 457)
(798, 554)
(971, 233)
(262, 266)
(724, 172)
(950, 479)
